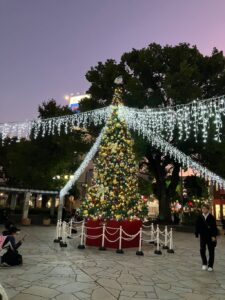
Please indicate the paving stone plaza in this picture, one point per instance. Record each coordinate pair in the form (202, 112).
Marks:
(51, 272)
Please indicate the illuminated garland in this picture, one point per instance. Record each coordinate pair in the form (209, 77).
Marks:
(83, 166)
(170, 150)
(53, 126)
(195, 117)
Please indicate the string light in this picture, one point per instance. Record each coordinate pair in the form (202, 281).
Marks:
(195, 116)
(53, 126)
(153, 124)
(82, 167)
(168, 149)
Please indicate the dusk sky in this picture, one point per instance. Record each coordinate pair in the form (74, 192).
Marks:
(47, 46)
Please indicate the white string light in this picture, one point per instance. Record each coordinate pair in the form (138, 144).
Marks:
(53, 126)
(170, 150)
(151, 123)
(83, 166)
(195, 116)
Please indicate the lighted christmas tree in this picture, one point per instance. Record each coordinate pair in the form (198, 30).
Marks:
(114, 193)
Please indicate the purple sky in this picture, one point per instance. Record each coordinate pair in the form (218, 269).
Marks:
(47, 46)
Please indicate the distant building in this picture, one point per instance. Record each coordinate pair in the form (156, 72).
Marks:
(219, 204)
(75, 100)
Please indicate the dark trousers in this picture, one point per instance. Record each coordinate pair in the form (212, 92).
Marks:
(211, 247)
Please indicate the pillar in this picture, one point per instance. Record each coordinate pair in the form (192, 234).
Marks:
(52, 208)
(13, 201)
(27, 196)
(60, 207)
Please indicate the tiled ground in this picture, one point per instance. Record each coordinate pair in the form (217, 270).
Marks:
(51, 272)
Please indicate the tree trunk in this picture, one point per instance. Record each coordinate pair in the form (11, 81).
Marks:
(158, 165)
(52, 209)
(164, 206)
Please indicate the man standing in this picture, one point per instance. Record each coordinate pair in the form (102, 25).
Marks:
(206, 228)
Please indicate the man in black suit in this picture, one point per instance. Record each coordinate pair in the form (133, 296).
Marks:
(206, 228)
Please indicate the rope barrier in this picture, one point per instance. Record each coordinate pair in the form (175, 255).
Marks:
(111, 240)
(113, 228)
(93, 228)
(110, 233)
(76, 222)
(163, 239)
(93, 237)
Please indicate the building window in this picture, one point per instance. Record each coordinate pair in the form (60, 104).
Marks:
(217, 210)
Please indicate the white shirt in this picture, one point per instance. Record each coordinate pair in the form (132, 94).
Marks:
(205, 216)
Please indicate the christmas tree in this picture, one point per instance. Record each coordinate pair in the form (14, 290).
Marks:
(114, 192)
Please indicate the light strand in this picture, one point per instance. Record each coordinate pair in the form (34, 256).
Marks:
(170, 150)
(53, 126)
(196, 118)
(90, 155)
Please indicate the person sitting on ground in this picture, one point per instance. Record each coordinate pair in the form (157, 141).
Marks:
(8, 225)
(11, 257)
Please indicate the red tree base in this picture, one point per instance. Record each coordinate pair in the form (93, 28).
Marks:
(130, 227)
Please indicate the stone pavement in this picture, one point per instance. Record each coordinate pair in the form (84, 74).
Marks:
(51, 272)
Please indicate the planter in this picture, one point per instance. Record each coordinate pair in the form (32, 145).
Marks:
(47, 222)
(26, 222)
(94, 228)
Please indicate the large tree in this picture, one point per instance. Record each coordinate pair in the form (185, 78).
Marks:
(159, 76)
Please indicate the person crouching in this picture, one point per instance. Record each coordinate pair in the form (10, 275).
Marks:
(11, 257)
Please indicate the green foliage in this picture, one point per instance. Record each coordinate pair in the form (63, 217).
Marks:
(33, 163)
(145, 187)
(196, 187)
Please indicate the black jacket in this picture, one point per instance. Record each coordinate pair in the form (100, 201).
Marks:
(206, 228)
(11, 241)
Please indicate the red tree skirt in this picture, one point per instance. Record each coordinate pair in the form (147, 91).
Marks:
(130, 227)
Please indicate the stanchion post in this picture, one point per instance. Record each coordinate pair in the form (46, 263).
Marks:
(102, 247)
(165, 246)
(157, 251)
(171, 250)
(152, 235)
(120, 250)
(56, 240)
(63, 241)
(82, 246)
(70, 229)
(60, 230)
(140, 252)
